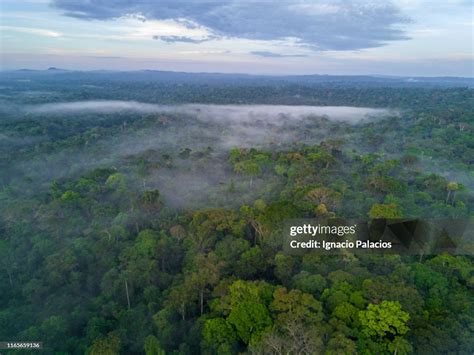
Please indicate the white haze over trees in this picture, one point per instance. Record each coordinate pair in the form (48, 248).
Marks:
(197, 127)
(234, 113)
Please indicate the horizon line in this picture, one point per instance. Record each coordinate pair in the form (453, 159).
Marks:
(52, 69)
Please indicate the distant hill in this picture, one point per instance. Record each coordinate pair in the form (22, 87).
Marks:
(171, 77)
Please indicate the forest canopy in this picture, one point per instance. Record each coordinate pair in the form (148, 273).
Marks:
(145, 216)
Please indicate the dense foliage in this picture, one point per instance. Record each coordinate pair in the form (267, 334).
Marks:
(135, 233)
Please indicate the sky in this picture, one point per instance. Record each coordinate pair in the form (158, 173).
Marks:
(348, 37)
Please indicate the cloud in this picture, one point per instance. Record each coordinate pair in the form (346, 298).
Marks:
(184, 39)
(275, 55)
(327, 25)
(34, 31)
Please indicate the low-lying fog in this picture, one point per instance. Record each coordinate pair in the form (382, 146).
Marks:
(197, 127)
(233, 113)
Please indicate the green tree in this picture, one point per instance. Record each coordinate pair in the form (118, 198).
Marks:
(206, 275)
(400, 346)
(251, 263)
(452, 187)
(283, 267)
(219, 336)
(117, 181)
(247, 303)
(249, 319)
(339, 344)
(386, 323)
(385, 211)
(152, 346)
(313, 284)
(297, 328)
(106, 346)
(248, 167)
(151, 200)
(295, 307)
